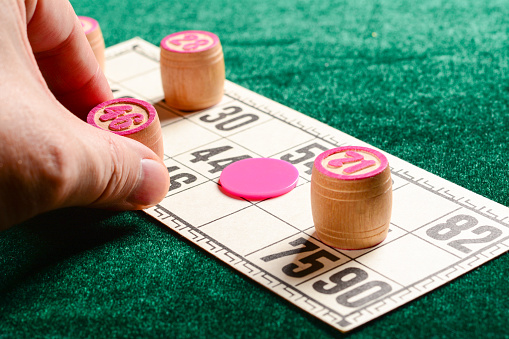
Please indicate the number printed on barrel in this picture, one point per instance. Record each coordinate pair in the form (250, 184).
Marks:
(463, 232)
(122, 116)
(189, 41)
(230, 118)
(351, 163)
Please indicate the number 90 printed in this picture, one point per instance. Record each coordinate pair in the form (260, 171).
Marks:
(321, 272)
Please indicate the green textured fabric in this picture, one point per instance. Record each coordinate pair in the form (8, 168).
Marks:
(427, 81)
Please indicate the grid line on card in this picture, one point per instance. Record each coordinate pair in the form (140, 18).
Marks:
(201, 238)
(270, 244)
(429, 223)
(147, 52)
(466, 204)
(376, 271)
(404, 174)
(298, 125)
(138, 75)
(384, 243)
(461, 266)
(314, 132)
(221, 136)
(397, 188)
(196, 148)
(152, 52)
(275, 216)
(420, 287)
(188, 188)
(322, 132)
(421, 182)
(138, 95)
(120, 49)
(226, 215)
(188, 117)
(282, 117)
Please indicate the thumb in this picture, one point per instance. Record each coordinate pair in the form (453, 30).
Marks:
(113, 172)
(50, 159)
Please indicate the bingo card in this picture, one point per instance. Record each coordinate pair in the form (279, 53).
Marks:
(438, 230)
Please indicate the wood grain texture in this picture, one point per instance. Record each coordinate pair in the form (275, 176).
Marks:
(192, 73)
(95, 38)
(351, 210)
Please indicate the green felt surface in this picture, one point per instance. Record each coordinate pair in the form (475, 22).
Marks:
(427, 81)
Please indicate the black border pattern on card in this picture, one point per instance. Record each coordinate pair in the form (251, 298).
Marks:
(325, 133)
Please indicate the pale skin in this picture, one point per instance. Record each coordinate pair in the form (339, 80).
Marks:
(49, 157)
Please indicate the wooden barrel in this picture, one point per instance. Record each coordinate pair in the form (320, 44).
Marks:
(94, 37)
(132, 118)
(351, 197)
(192, 70)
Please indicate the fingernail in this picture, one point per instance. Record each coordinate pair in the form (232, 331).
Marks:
(152, 184)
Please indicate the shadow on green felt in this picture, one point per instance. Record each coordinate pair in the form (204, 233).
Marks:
(261, 298)
(43, 241)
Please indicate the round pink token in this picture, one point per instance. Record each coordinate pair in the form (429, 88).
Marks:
(259, 178)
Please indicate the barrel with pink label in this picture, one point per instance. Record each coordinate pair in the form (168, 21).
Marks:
(192, 70)
(94, 37)
(132, 118)
(351, 197)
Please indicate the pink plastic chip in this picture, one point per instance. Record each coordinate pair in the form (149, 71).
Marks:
(259, 178)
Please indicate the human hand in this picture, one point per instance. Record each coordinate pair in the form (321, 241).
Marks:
(49, 158)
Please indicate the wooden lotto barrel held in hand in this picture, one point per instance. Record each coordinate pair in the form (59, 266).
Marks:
(131, 118)
(192, 70)
(351, 197)
(94, 37)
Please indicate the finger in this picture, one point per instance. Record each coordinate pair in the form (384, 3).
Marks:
(113, 172)
(50, 159)
(97, 168)
(64, 56)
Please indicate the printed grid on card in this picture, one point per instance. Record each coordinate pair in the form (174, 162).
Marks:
(438, 230)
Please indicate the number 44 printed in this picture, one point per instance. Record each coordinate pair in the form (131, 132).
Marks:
(210, 160)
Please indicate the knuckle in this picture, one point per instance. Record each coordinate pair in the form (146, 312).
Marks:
(56, 172)
(33, 181)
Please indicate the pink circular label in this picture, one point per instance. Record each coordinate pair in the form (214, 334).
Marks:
(259, 178)
(351, 163)
(122, 116)
(189, 41)
(88, 24)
